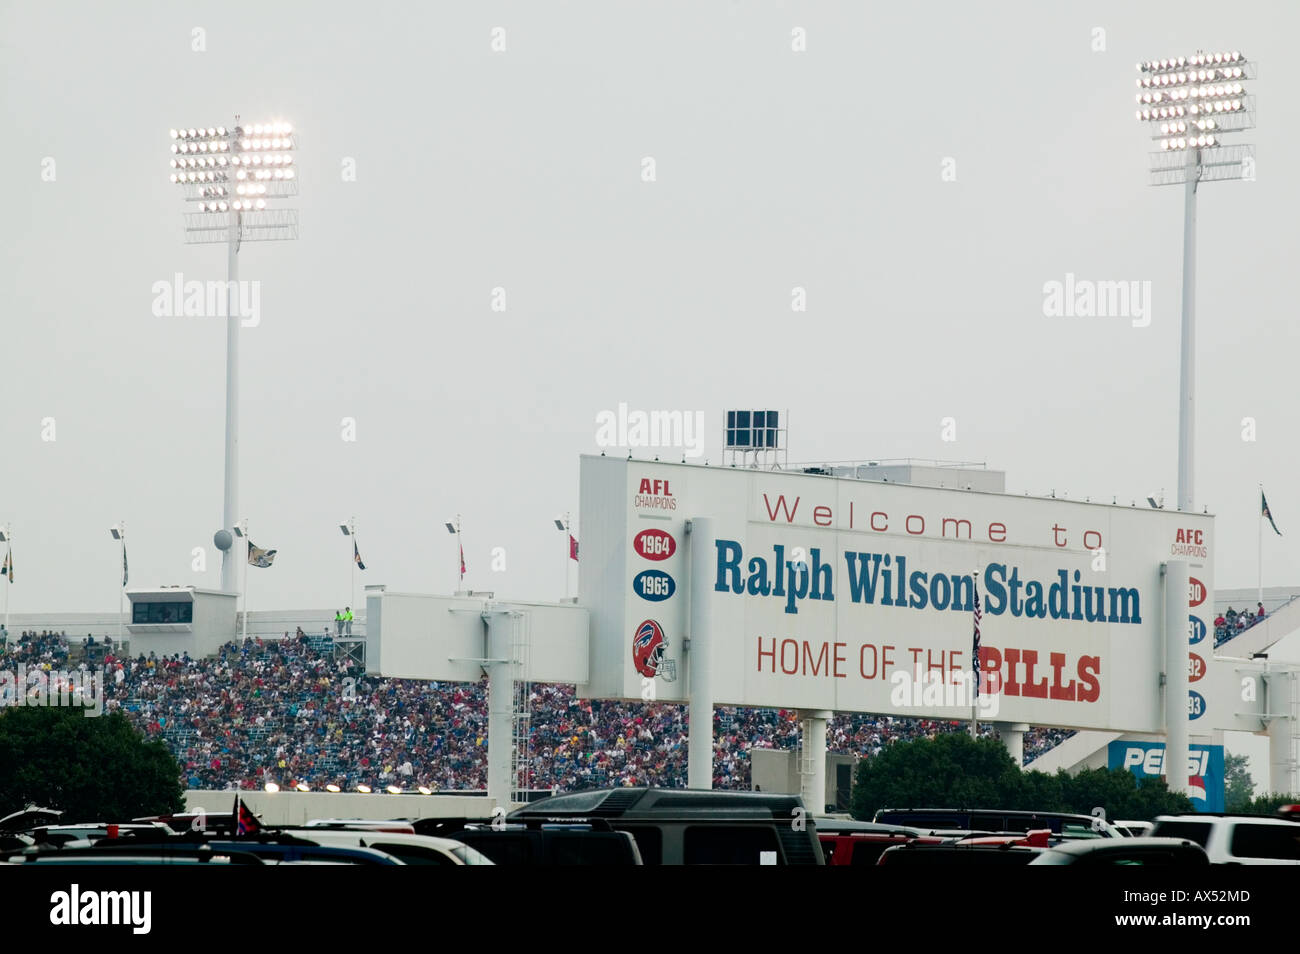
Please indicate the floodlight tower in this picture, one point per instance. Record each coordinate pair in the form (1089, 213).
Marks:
(231, 174)
(1191, 103)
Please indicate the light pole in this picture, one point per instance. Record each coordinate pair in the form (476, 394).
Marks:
(1191, 102)
(241, 531)
(350, 530)
(232, 173)
(7, 538)
(119, 533)
(563, 524)
(454, 528)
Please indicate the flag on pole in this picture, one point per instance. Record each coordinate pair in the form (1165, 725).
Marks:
(573, 548)
(975, 651)
(125, 575)
(8, 569)
(1264, 511)
(356, 556)
(462, 561)
(259, 557)
(246, 822)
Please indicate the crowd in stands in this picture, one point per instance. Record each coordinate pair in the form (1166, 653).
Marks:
(288, 711)
(1231, 623)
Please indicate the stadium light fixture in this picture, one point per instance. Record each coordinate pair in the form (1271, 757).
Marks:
(425, 790)
(363, 789)
(331, 787)
(215, 168)
(118, 530)
(393, 790)
(563, 522)
(271, 787)
(454, 529)
(1191, 103)
(303, 787)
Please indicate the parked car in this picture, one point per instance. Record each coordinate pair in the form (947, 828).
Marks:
(916, 854)
(990, 820)
(1133, 829)
(692, 827)
(1236, 839)
(410, 848)
(1163, 852)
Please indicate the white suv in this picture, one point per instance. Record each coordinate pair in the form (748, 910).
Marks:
(1236, 839)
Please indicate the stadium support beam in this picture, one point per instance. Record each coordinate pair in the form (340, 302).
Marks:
(699, 766)
(1176, 574)
(1283, 704)
(1012, 735)
(812, 759)
(500, 673)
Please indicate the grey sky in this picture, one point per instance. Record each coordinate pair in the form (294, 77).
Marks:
(522, 169)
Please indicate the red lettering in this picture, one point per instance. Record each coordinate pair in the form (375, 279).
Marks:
(931, 665)
(1089, 669)
(862, 661)
(1060, 692)
(907, 524)
(874, 515)
(886, 660)
(1091, 546)
(820, 514)
(1056, 535)
(838, 659)
(761, 654)
(916, 662)
(816, 663)
(1012, 686)
(954, 661)
(645, 486)
(990, 670)
(780, 505)
(790, 671)
(1031, 688)
(1001, 528)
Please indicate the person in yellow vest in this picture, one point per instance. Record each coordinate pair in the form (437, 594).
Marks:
(338, 623)
(347, 620)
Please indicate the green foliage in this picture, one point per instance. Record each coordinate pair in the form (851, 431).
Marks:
(94, 769)
(1238, 786)
(950, 770)
(955, 771)
(1267, 804)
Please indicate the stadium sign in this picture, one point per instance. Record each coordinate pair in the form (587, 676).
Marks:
(814, 591)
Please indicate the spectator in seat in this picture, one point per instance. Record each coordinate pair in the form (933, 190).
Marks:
(1260, 613)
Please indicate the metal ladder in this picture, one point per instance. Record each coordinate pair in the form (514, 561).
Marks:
(522, 717)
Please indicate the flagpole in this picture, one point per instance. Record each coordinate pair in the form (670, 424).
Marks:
(248, 549)
(1260, 561)
(121, 593)
(975, 662)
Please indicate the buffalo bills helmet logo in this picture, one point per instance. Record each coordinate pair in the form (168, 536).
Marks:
(649, 645)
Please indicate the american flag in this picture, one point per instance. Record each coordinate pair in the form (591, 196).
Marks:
(975, 652)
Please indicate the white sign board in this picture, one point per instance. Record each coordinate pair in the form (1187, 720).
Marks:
(851, 595)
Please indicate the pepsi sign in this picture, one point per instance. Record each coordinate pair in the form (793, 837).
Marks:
(1195, 704)
(1195, 629)
(654, 544)
(654, 585)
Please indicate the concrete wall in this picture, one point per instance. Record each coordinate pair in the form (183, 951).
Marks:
(777, 771)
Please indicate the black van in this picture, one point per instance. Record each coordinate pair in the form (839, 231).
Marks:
(691, 826)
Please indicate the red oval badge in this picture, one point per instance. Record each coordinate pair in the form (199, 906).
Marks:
(1195, 667)
(1196, 592)
(654, 544)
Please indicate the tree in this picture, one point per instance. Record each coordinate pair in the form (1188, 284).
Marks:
(1238, 786)
(950, 770)
(93, 769)
(1267, 804)
(955, 771)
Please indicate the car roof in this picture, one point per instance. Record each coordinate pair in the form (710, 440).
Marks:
(1120, 846)
(1227, 816)
(663, 802)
